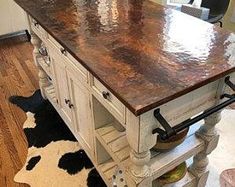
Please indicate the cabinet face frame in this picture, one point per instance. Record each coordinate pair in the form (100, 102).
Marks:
(60, 76)
(81, 110)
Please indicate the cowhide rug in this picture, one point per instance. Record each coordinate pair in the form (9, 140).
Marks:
(54, 155)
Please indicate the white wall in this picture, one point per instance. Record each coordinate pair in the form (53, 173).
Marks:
(12, 17)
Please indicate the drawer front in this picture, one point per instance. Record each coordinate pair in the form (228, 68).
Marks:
(82, 73)
(109, 101)
(38, 30)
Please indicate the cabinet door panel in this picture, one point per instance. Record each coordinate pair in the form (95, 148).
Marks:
(61, 85)
(82, 119)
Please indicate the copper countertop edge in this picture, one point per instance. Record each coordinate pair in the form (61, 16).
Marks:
(181, 93)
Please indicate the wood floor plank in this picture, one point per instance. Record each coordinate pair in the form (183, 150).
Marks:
(18, 76)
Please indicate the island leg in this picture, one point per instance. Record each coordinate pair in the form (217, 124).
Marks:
(43, 78)
(208, 133)
(141, 140)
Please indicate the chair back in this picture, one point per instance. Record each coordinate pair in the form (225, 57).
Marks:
(216, 7)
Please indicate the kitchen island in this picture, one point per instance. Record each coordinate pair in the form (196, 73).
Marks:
(120, 71)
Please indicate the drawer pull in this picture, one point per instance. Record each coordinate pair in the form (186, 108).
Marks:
(43, 51)
(70, 105)
(63, 51)
(105, 94)
(36, 24)
(171, 131)
(66, 101)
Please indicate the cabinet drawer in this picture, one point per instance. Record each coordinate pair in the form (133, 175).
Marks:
(38, 30)
(109, 101)
(82, 73)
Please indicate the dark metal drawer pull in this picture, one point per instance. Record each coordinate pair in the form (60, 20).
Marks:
(71, 105)
(36, 24)
(105, 94)
(66, 101)
(171, 131)
(63, 51)
(43, 51)
(229, 83)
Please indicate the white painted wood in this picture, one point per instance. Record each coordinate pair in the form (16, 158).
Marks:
(102, 155)
(81, 109)
(168, 161)
(184, 107)
(141, 140)
(113, 105)
(37, 29)
(43, 78)
(13, 18)
(50, 93)
(208, 134)
(46, 66)
(61, 83)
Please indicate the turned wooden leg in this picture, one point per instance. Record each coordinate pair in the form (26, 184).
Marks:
(36, 44)
(200, 162)
(43, 78)
(140, 161)
(141, 140)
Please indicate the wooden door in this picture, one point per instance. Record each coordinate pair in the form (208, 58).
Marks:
(61, 85)
(82, 115)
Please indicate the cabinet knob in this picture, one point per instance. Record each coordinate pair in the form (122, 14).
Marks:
(66, 101)
(43, 51)
(63, 51)
(105, 94)
(36, 24)
(70, 105)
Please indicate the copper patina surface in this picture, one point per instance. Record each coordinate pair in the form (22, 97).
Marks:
(144, 53)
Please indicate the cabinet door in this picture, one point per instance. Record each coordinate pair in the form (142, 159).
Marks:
(61, 84)
(82, 117)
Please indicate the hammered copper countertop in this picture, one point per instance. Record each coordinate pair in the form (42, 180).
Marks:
(144, 53)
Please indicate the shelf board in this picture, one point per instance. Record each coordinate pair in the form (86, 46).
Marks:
(188, 180)
(164, 162)
(107, 170)
(115, 143)
(50, 93)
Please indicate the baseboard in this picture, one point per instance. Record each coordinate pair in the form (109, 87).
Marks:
(14, 34)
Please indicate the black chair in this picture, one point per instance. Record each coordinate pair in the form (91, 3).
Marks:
(218, 8)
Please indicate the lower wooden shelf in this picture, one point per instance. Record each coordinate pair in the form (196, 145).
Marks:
(114, 142)
(116, 145)
(188, 181)
(50, 93)
(107, 170)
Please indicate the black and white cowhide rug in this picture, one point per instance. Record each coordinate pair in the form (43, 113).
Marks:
(54, 158)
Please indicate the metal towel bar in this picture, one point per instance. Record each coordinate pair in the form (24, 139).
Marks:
(171, 131)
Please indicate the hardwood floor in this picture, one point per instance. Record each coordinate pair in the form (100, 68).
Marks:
(18, 76)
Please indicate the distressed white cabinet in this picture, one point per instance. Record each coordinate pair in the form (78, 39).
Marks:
(61, 85)
(81, 110)
(73, 96)
(13, 18)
